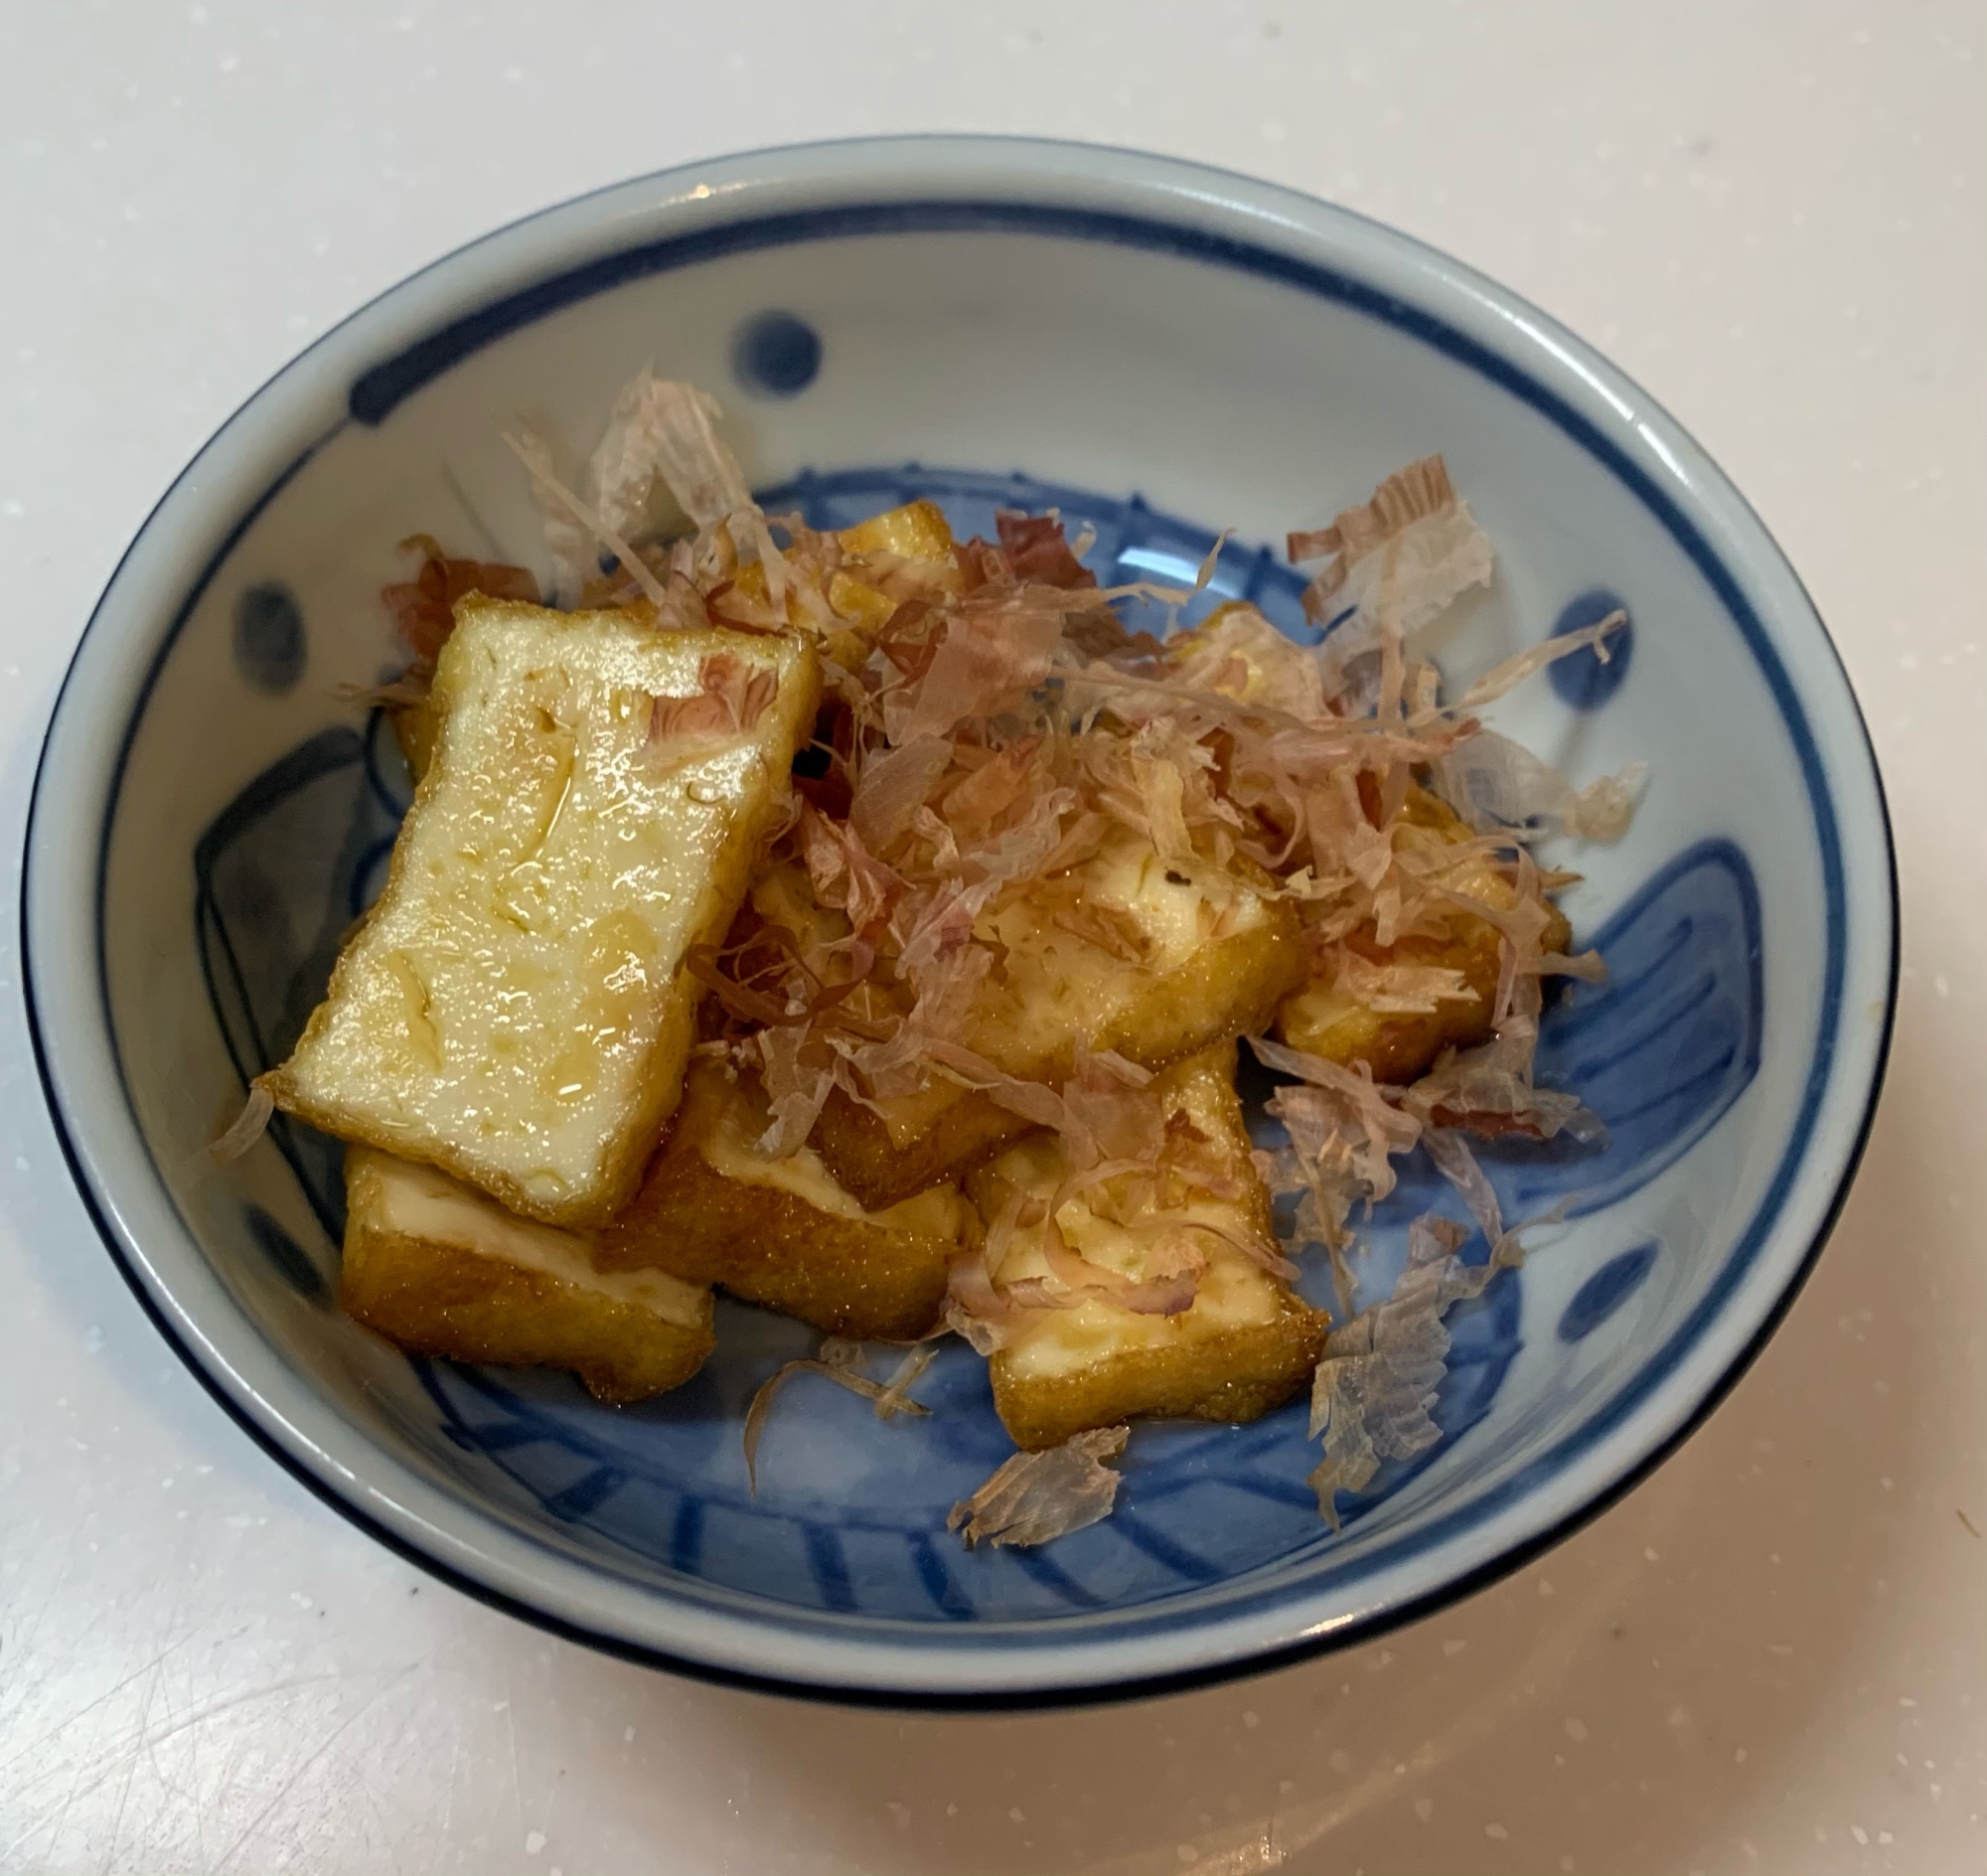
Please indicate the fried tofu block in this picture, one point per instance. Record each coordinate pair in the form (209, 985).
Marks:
(1329, 1019)
(916, 532)
(1121, 952)
(1246, 1345)
(910, 543)
(442, 1270)
(715, 1209)
(927, 1139)
(1125, 952)
(918, 1141)
(914, 537)
(517, 1010)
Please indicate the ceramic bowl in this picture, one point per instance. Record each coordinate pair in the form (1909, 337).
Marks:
(1159, 351)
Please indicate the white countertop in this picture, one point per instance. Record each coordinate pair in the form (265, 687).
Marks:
(1768, 1657)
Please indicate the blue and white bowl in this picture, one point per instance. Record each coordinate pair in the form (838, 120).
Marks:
(1161, 351)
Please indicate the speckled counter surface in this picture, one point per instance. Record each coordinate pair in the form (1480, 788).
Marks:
(1768, 1658)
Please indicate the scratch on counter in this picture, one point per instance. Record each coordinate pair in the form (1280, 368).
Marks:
(131, 1762)
(510, 1721)
(147, 1745)
(125, 1756)
(109, 1694)
(331, 1739)
(448, 1801)
(80, 1787)
(1964, 1519)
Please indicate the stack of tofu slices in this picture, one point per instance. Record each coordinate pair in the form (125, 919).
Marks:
(742, 935)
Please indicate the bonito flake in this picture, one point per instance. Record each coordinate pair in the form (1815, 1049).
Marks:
(1401, 557)
(1037, 1497)
(1499, 785)
(1371, 1396)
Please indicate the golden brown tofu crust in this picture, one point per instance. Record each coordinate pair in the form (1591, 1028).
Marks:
(856, 1146)
(1401, 1048)
(1229, 988)
(1236, 1376)
(862, 1279)
(416, 726)
(434, 1298)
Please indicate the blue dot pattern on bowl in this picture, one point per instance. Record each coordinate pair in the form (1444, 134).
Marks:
(1581, 680)
(776, 355)
(270, 646)
(1605, 1291)
(849, 1514)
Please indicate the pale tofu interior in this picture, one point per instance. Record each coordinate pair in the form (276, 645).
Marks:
(511, 1010)
(1234, 1291)
(395, 1197)
(730, 1150)
(1062, 984)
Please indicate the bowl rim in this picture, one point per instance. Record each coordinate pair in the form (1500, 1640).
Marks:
(1212, 214)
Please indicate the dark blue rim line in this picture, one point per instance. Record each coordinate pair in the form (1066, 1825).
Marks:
(378, 392)
(398, 378)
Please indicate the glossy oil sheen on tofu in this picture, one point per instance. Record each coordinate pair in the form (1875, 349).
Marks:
(514, 1009)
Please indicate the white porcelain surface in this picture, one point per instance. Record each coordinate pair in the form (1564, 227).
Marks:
(1361, 1805)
